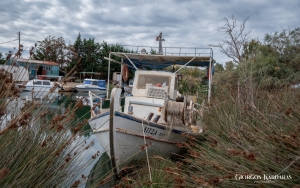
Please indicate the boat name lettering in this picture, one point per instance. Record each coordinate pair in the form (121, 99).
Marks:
(162, 134)
(150, 131)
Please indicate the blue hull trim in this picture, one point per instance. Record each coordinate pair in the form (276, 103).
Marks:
(99, 116)
(132, 118)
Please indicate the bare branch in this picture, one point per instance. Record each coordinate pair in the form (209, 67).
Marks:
(233, 45)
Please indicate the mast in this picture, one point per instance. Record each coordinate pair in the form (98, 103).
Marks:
(159, 38)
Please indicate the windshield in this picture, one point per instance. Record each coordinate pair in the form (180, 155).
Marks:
(37, 83)
(87, 81)
(46, 83)
(144, 79)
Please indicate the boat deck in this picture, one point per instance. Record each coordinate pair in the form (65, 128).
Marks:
(68, 86)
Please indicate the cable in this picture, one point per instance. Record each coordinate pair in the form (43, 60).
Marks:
(9, 41)
(146, 152)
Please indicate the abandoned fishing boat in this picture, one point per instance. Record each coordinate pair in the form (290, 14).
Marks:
(151, 120)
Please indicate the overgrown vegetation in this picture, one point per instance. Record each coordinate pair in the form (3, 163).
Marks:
(272, 63)
(247, 132)
(39, 150)
(2, 60)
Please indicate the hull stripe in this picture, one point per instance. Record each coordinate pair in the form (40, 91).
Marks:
(132, 118)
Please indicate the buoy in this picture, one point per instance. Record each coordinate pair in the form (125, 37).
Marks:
(125, 73)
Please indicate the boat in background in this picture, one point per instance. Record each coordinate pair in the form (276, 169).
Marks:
(93, 85)
(37, 85)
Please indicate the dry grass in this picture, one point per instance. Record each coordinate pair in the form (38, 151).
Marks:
(253, 132)
(244, 137)
(38, 150)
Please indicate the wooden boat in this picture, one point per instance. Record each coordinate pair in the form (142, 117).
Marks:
(152, 121)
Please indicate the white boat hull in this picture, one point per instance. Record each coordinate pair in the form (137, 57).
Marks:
(37, 88)
(93, 85)
(129, 136)
(92, 89)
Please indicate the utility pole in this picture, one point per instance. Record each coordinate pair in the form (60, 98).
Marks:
(20, 49)
(19, 41)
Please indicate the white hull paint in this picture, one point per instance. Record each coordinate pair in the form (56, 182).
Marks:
(37, 88)
(129, 137)
(92, 89)
(93, 85)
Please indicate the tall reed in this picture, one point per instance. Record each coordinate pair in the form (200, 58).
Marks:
(38, 150)
(254, 134)
(251, 139)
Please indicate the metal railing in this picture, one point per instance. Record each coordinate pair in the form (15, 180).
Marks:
(182, 51)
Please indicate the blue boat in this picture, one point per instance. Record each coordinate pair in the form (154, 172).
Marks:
(93, 85)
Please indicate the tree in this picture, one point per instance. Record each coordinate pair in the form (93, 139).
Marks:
(229, 65)
(232, 45)
(114, 67)
(274, 63)
(287, 44)
(2, 59)
(90, 53)
(52, 49)
(196, 72)
(74, 57)
(153, 51)
(219, 67)
(251, 49)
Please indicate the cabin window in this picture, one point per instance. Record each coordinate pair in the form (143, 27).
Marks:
(46, 83)
(86, 82)
(144, 79)
(94, 83)
(33, 67)
(46, 68)
(37, 83)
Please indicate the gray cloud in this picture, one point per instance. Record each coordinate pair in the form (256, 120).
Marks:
(190, 23)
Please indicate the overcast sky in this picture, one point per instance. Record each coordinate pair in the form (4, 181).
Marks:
(184, 23)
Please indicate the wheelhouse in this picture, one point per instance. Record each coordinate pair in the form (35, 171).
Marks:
(100, 83)
(41, 82)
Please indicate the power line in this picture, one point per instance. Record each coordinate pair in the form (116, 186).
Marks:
(9, 41)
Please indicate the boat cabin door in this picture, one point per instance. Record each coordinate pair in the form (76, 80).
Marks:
(101, 83)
